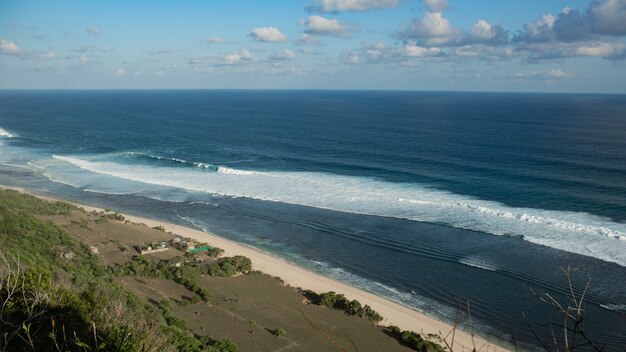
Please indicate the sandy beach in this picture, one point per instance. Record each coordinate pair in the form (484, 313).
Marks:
(293, 275)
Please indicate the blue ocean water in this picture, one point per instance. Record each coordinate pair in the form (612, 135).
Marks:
(426, 198)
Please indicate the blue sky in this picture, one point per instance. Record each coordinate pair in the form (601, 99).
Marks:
(484, 45)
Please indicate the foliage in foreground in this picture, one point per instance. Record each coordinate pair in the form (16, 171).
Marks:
(340, 302)
(56, 296)
(414, 340)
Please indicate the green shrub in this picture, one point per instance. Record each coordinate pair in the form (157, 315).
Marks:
(279, 333)
(340, 302)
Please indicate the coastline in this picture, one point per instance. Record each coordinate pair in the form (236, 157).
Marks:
(296, 276)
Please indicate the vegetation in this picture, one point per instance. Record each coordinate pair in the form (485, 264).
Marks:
(414, 340)
(215, 252)
(340, 302)
(279, 333)
(56, 296)
(230, 266)
(184, 274)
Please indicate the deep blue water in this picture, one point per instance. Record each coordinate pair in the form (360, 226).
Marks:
(425, 198)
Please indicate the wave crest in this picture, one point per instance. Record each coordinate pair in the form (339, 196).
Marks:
(7, 134)
(574, 232)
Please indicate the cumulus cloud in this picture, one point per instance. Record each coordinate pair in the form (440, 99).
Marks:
(120, 72)
(595, 32)
(84, 59)
(306, 38)
(318, 25)
(431, 29)
(238, 57)
(93, 30)
(484, 32)
(483, 52)
(538, 31)
(557, 50)
(381, 53)
(603, 49)
(286, 54)
(353, 5)
(9, 47)
(267, 34)
(608, 17)
(601, 18)
(413, 50)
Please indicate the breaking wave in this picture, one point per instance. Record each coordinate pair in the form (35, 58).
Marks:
(7, 134)
(575, 232)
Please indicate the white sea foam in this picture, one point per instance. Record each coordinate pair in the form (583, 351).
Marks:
(203, 165)
(7, 134)
(575, 232)
(478, 262)
(620, 308)
(228, 170)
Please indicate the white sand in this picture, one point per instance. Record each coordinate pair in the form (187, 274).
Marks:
(293, 275)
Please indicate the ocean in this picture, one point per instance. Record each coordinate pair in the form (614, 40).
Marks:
(430, 199)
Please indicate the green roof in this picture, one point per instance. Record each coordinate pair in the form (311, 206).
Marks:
(200, 249)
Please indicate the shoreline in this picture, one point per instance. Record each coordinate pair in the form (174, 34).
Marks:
(294, 275)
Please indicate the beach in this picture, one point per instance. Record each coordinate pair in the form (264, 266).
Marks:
(295, 276)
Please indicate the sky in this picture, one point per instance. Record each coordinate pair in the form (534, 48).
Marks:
(457, 45)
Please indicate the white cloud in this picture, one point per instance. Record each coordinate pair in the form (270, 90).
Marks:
(306, 38)
(555, 73)
(483, 30)
(9, 47)
(538, 31)
(558, 50)
(435, 5)
(432, 29)
(602, 49)
(93, 30)
(412, 50)
(158, 73)
(354, 5)
(238, 57)
(120, 72)
(486, 33)
(381, 53)
(602, 18)
(483, 52)
(267, 34)
(608, 17)
(50, 55)
(318, 25)
(84, 59)
(558, 73)
(286, 54)
(435, 30)
(214, 40)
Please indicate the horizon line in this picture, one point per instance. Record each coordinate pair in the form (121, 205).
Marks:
(316, 89)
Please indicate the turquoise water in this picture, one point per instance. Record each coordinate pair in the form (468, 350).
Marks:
(425, 198)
